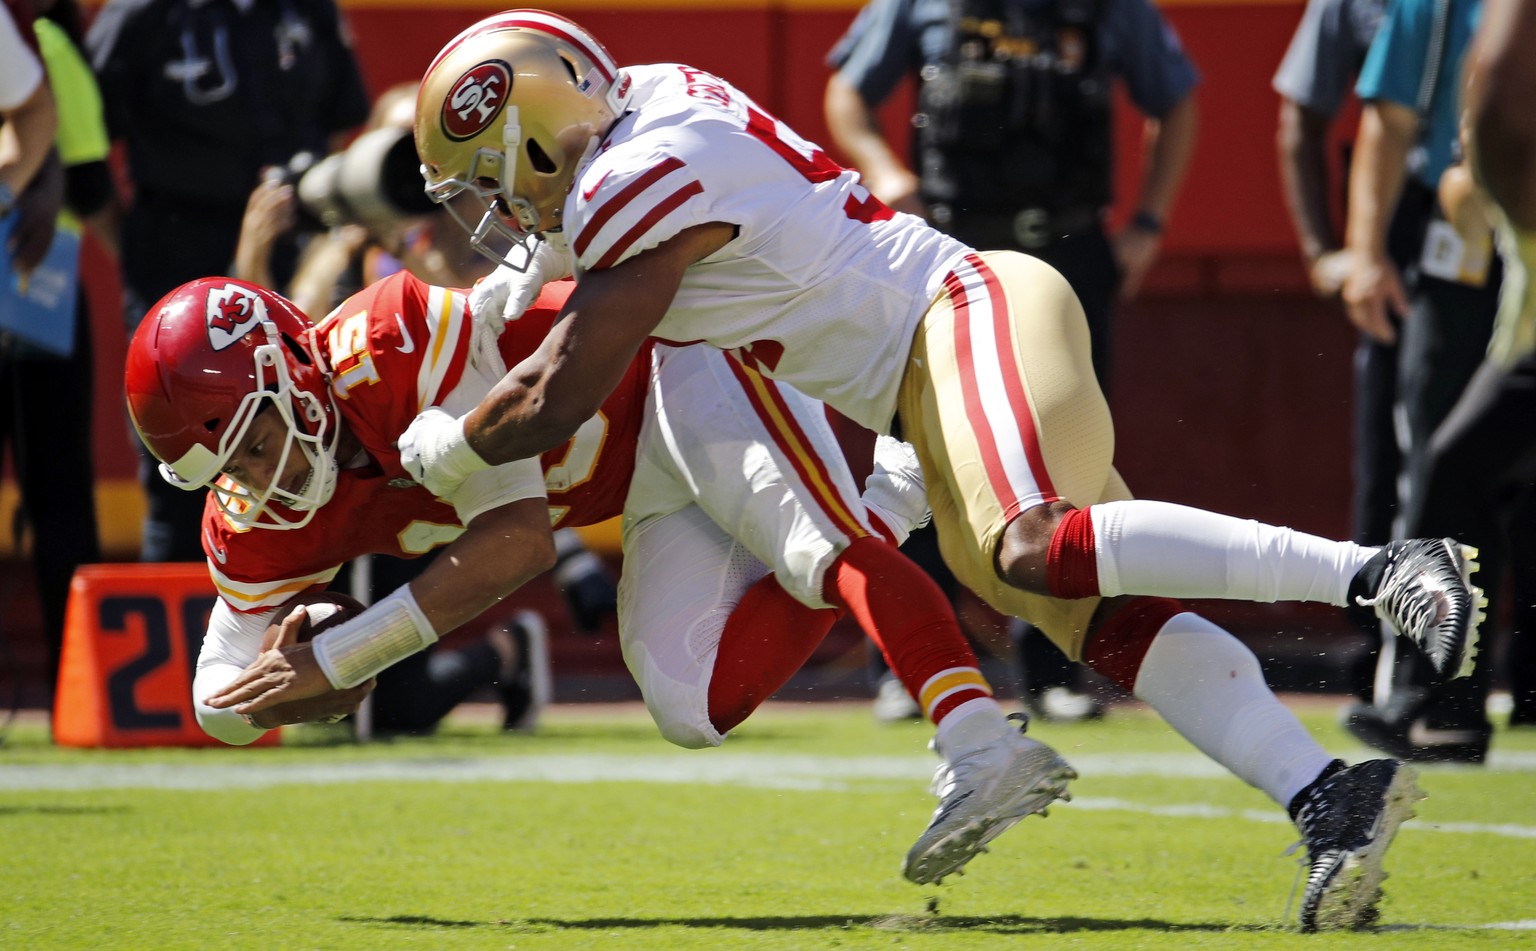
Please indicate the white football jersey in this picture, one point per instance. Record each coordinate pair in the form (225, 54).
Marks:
(823, 285)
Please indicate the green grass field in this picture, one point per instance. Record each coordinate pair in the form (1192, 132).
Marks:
(594, 833)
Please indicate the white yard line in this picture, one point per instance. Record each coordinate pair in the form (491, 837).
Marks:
(724, 768)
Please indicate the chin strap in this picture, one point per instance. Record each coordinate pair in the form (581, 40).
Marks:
(390, 631)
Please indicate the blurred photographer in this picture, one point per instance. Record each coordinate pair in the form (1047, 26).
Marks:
(203, 94)
(359, 214)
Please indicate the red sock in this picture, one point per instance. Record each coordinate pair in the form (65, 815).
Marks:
(766, 639)
(911, 621)
(1120, 644)
(1072, 566)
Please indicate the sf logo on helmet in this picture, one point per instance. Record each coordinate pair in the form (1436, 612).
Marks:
(476, 99)
(232, 311)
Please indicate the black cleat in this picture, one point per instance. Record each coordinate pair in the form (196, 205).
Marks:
(1423, 589)
(1347, 820)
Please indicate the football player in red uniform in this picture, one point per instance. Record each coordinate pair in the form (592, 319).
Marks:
(293, 427)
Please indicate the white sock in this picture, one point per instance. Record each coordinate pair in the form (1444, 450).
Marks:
(1174, 551)
(1209, 688)
(973, 724)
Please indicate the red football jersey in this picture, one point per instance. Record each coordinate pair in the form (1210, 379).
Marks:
(394, 349)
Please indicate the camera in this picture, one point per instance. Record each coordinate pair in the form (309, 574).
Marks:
(374, 182)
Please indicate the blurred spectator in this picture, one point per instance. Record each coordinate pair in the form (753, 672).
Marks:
(1316, 75)
(1481, 465)
(1319, 69)
(1015, 151)
(45, 394)
(26, 104)
(1406, 150)
(204, 94)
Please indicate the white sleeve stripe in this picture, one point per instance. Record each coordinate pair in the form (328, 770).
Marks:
(446, 309)
(249, 596)
(556, 26)
(561, 28)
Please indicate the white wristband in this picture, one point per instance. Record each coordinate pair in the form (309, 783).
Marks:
(390, 631)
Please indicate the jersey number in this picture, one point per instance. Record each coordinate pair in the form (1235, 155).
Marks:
(350, 354)
(813, 164)
(578, 464)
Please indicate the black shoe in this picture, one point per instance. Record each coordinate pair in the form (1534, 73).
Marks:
(1404, 732)
(1348, 818)
(1423, 589)
(526, 690)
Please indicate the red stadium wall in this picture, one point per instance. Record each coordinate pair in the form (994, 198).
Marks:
(1231, 383)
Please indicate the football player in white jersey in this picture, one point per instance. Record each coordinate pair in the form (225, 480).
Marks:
(694, 215)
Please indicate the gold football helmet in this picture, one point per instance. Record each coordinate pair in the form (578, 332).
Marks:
(507, 112)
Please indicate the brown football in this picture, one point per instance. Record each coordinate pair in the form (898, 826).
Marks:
(325, 610)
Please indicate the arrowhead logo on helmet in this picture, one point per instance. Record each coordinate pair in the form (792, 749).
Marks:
(208, 359)
(233, 311)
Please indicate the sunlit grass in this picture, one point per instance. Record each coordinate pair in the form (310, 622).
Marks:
(790, 837)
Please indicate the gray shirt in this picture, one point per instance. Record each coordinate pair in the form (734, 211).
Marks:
(1326, 52)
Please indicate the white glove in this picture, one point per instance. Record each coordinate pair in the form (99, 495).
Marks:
(895, 490)
(435, 451)
(505, 293)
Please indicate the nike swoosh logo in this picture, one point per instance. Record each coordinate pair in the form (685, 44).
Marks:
(949, 807)
(219, 554)
(410, 345)
(587, 193)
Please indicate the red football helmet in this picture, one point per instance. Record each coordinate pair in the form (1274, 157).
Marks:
(508, 112)
(209, 357)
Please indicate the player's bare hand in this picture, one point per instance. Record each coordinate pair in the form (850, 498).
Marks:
(326, 708)
(1373, 292)
(287, 631)
(279, 675)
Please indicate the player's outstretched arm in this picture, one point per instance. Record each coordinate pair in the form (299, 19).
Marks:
(500, 550)
(540, 403)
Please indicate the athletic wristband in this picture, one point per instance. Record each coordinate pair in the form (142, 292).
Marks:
(390, 631)
(459, 459)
